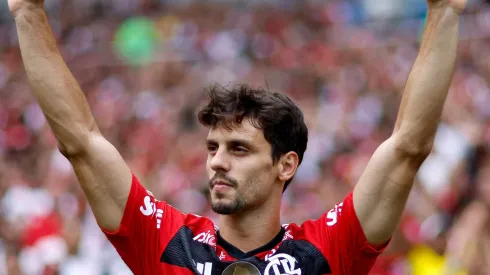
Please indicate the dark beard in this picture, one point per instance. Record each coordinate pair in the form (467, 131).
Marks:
(229, 208)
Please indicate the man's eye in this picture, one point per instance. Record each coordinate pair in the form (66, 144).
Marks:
(212, 148)
(240, 149)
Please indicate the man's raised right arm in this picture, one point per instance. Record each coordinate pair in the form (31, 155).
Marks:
(104, 176)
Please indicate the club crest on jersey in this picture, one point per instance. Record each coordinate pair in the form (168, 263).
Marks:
(282, 264)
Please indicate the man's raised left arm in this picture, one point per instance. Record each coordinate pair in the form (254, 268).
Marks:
(382, 191)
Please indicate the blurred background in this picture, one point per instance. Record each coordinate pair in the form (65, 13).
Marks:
(143, 64)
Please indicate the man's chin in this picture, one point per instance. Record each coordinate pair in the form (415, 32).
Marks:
(225, 208)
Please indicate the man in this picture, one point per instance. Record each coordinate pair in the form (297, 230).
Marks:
(256, 142)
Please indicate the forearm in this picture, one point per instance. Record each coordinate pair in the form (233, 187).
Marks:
(429, 80)
(55, 88)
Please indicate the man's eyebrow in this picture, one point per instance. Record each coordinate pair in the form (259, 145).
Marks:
(232, 142)
(210, 140)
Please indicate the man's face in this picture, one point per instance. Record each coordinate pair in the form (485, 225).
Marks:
(240, 167)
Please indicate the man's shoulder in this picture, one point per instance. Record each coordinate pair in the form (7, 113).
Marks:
(298, 232)
(195, 221)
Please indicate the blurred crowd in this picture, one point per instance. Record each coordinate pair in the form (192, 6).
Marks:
(143, 65)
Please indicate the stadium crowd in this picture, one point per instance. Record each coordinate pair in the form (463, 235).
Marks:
(143, 64)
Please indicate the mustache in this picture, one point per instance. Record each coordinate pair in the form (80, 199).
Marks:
(221, 177)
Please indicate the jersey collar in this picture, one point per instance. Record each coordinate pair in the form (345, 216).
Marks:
(238, 254)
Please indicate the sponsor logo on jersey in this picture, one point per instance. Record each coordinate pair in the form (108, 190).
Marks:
(241, 268)
(149, 208)
(206, 238)
(282, 264)
(333, 214)
(159, 217)
(205, 269)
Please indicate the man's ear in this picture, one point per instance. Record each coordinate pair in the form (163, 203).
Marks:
(287, 166)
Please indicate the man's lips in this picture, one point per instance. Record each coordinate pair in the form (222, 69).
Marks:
(220, 183)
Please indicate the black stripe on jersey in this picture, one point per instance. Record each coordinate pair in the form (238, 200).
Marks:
(183, 251)
(310, 258)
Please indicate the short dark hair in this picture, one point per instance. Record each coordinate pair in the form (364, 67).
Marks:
(281, 121)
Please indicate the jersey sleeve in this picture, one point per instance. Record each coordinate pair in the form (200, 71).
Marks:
(146, 228)
(340, 237)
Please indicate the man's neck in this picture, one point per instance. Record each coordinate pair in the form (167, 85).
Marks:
(250, 230)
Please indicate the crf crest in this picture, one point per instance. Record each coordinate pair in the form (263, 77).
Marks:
(282, 264)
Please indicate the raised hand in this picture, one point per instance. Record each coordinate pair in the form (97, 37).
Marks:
(16, 5)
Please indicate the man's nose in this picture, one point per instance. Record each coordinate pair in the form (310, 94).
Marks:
(220, 161)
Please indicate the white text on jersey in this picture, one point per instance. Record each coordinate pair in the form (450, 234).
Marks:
(205, 269)
(206, 238)
(333, 214)
(150, 209)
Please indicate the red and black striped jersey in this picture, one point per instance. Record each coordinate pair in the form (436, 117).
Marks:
(155, 238)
